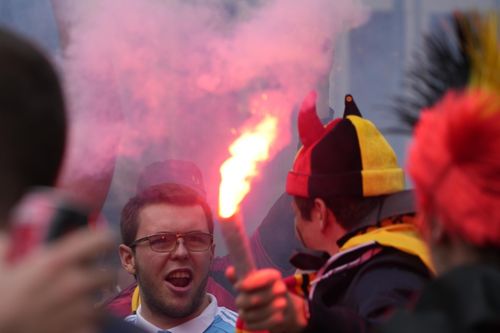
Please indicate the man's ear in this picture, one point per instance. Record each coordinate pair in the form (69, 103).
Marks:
(127, 258)
(319, 213)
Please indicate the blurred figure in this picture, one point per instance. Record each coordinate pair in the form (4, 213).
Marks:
(53, 289)
(455, 164)
(350, 204)
(167, 235)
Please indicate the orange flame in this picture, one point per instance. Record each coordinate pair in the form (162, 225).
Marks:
(247, 151)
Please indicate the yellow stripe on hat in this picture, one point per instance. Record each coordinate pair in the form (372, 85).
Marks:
(380, 173)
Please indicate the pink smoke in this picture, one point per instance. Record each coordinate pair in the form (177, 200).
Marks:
(153, 79)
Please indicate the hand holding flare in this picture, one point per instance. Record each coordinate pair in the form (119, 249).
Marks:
(236, 172)
(263, 300)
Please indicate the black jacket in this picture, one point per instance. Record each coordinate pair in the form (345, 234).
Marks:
(364, 287)
(465, 300)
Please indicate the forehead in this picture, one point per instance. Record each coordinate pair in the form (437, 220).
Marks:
(163, 217)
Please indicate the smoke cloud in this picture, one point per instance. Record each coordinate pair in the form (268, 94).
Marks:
(149, 80)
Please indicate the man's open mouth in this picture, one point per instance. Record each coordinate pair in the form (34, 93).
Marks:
(180, 278)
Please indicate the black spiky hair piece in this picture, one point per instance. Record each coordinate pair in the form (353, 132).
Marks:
(457, 54)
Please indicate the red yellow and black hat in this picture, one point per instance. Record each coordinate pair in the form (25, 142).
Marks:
(347, 156)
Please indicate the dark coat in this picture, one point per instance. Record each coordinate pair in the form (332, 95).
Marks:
(465, 300)
(361, 288)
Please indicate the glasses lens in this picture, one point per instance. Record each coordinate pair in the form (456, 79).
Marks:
(197, 241)
(163, 242)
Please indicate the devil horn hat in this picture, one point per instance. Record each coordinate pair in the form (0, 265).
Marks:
(309, 124)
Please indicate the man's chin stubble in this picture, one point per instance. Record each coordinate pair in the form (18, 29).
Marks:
(174, 311)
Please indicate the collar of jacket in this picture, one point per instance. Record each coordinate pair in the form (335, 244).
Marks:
(398, 232)
(402, 236)
(361, 248)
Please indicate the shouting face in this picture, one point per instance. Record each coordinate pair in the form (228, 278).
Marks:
(172, 284)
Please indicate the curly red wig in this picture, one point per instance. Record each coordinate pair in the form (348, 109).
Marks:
(455, 163)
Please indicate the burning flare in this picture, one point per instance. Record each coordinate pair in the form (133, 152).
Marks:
(249, 149)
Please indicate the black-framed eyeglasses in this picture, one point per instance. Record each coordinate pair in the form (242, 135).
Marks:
(194, 241)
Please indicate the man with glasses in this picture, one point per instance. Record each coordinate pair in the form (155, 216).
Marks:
(269, 249)
(167, 234)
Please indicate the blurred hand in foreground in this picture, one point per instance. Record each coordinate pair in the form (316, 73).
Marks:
(53, 289)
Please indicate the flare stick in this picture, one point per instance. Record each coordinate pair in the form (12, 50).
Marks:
(237, 244)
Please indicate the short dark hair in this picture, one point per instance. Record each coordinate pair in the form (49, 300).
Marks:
(32, 120)
(166, 193)
(348, 210)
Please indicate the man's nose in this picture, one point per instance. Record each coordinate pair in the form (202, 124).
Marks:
(180, 250)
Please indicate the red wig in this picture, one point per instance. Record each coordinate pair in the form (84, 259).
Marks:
(455, 164)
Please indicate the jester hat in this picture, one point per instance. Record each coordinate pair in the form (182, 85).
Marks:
(346, 157)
